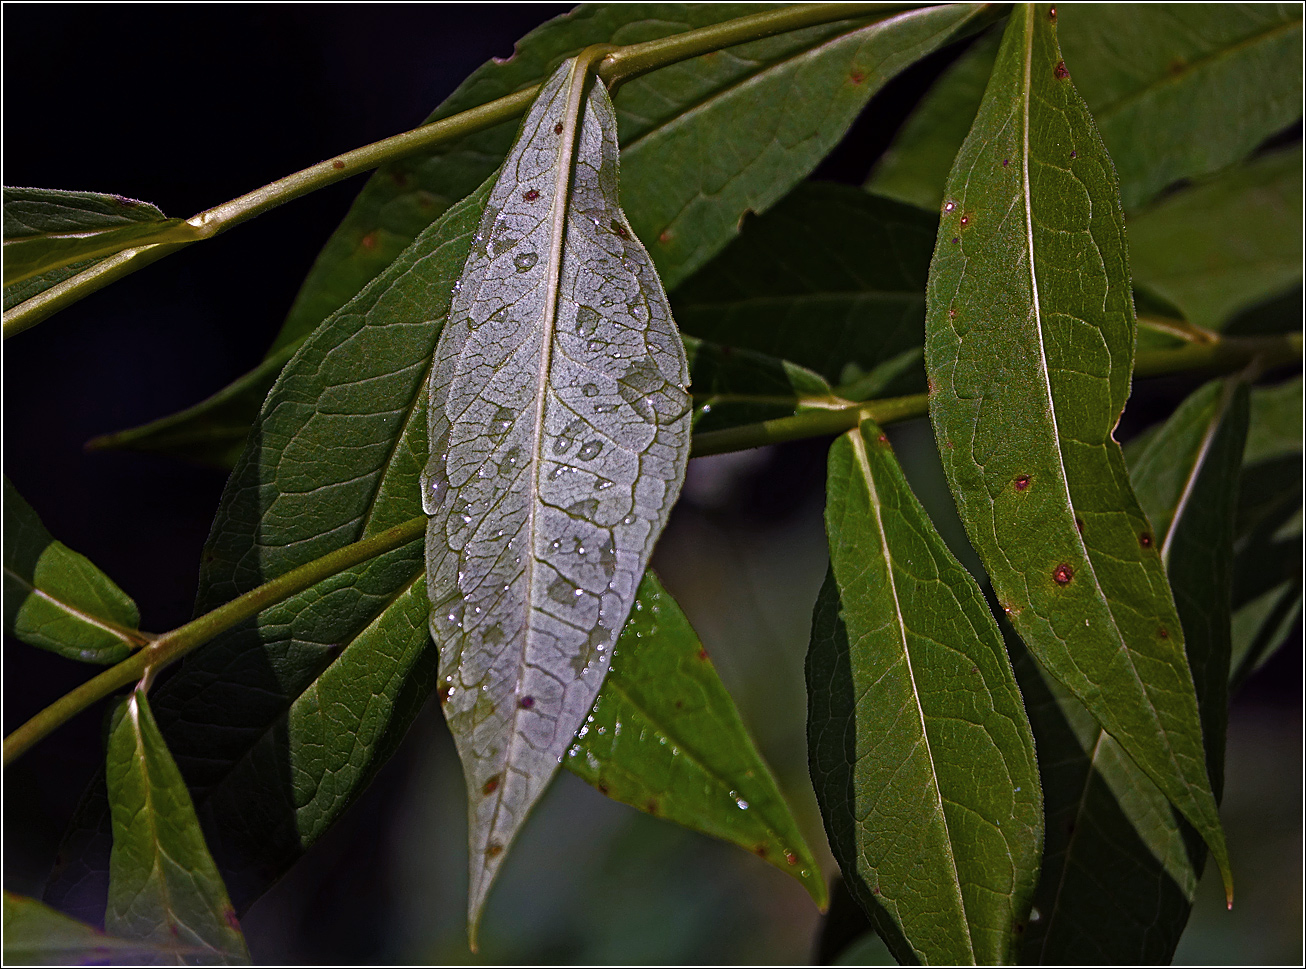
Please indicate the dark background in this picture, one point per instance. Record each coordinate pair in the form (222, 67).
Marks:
(186, 107)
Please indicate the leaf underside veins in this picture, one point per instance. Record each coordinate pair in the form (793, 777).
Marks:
(559, 424)
(1029, 348)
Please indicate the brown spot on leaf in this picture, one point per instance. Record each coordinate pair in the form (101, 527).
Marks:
(557, 128)
(619, 229)
(1145, 540)
(759, 850)
(368, 241)
(445, 692)
(337, 164)
(651, 806)
(1176, 66)
(664, 236)
(1052, 14)
(875, 890)
(679, 704)
(1019, 927)
(1060, 71)
(1021, 482)
(526, 702)
(493, 849)
(491, 786)
(883, 439)
(790, 857)
(603, 789)
(702, 653)
(857, 77)
(399, 178)
(1163, 633)
(965, 219)
(1079, 525)
(1063, 574)
(952, 312)
(530, 195)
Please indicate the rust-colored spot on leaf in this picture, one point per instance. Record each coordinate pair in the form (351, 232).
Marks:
(952, 312)
(1052, 14)
(493, 849)
(399, 178)
(875, 890)
(603, 789)
(1079, 525)
(790, 857)
(557, 128)
(883, 439)
(1021, 482)
(368, 241)
(1063, 574)
(526, 702)
(229, 914)
(337, 164)
(1163, 633)
(1145, 540)
(857, 77)
(702, 654)
(530, 195)
(965, 219)
(491, 786)
(759, 850)
(664, 236)
(445, 692)
(1061, 71)
(651, 806)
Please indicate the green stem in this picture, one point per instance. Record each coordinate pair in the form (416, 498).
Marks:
(1225, 355)
(621, 64)
(173, 645)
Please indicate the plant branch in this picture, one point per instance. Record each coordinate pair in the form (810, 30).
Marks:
(1224, 355)
(173, 645)
(621, 64)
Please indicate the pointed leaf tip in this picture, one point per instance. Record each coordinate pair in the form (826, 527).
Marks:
(559, 436)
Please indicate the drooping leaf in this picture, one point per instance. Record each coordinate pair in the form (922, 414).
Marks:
(163, 884)
(921, 754)
(1226, 244)
(1206, 83)
(915, 166)
(832, 279)
(1029, 347)
(279, 723)
(754, 98)
(57, 599)
(37, 935)
(36, 219)
(559, 429)
(665, 737)
(1182, 90)
(1267, 587)
(1107, 823)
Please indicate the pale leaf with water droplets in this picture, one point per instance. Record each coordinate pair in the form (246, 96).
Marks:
(559, 429)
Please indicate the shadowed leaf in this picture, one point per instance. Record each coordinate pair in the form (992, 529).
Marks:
(37, 935)
(1029, 346)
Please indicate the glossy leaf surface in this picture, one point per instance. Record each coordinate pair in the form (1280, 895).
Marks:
(559, 430)
(37, 935)
(1206, 83)
(163, 884)
(1221, 246)
(665, 737)
(753, 99)
(831, 278)
(57, 599)
(1029, 347)
(1107, 823)
(35, 218)
(921, 753)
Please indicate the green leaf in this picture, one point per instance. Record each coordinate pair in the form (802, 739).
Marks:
(921, 754)
(56, 599)
(1206, 83)
(1267, 587)
(1029, 347)
(684, 194)
(163, 885)
(665, 737)
(42, 226)
(832, 279)
(559, 429)
(1182, 90)
(1229, 243)
(915, 166)
(1107, 823)
(37, 935)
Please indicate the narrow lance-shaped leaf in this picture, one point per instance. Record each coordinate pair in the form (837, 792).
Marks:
(704, 142)
(1107, 823)
(1029, 348)
(559, 430)
(163, 885)
(665, 737)
(921, 753)
(57, 599)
